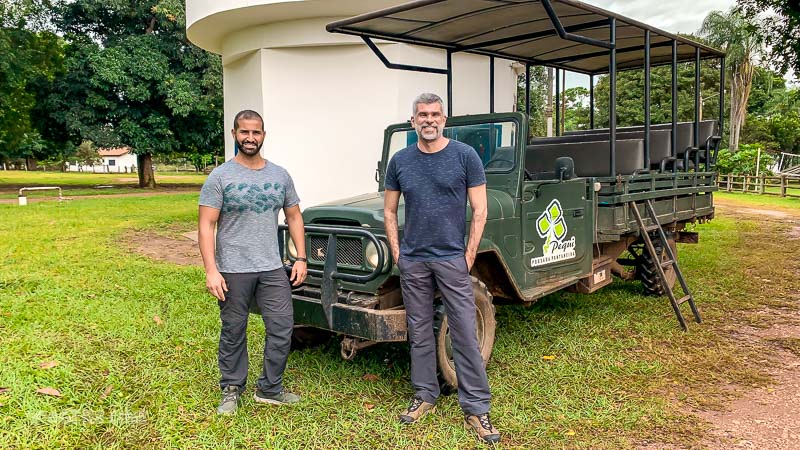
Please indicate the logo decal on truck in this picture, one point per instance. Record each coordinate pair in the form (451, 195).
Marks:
(553, 228)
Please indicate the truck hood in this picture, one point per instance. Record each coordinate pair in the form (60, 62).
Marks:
(367, 209)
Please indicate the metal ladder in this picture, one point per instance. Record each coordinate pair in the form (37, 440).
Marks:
(660, 265)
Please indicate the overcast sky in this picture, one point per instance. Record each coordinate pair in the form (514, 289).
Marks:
(675, 16)
(684, 16)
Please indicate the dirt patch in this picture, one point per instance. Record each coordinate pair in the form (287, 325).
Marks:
(766, 417)
(761, 417)
(763, 212)
(179, 248)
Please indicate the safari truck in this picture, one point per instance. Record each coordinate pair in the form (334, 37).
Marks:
(564, 212)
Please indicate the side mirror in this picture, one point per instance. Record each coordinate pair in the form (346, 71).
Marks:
(564, 168)
(378, 172)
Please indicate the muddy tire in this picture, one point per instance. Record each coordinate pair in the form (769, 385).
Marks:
(485, 329)
(647, 272)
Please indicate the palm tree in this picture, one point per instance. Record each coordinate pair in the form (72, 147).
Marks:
(739, 38)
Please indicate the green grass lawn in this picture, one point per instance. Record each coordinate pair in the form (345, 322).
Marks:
(622, 372)
(756, 200)
(76, 184)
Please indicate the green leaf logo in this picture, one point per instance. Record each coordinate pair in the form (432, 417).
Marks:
(552, 221)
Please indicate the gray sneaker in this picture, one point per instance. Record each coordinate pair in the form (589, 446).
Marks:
(281, 398)
(230, 401)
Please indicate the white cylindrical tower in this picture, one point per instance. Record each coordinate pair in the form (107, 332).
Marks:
(326, 98)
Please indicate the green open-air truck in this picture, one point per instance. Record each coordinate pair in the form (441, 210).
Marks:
(564, 211)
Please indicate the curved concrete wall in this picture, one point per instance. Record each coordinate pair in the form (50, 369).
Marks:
(326, 98)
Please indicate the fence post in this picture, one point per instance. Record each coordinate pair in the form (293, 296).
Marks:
(744, 183)
(728, 179)
(762, 181)
(784, 182)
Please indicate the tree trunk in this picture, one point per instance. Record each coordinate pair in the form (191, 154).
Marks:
(145, 163)
(741, 83)
(30, 163)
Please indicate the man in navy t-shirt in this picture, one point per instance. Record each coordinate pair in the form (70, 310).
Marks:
(436, 176)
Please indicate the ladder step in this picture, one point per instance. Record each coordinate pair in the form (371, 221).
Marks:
(684, 299)
(650, 228)
(667, 264)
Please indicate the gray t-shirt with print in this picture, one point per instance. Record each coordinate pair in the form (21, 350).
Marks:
(249, 201)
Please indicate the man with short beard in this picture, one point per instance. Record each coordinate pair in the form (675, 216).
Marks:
(241, 198)
(436, 176)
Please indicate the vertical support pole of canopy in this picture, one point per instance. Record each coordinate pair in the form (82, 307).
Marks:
(528, 90)
(491, 84)
(647, 99)
(612, 114)
(558, 103)
(697, 94)
(449, 83)
(721, 95)
(674, 102)
(591, 102)
(528, 101)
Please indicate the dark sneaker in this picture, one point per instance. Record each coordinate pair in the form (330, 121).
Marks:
(230, 401)
(482, 426)
(416, 410)
(281, 398)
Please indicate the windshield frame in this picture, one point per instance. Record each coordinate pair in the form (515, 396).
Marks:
(478, 119)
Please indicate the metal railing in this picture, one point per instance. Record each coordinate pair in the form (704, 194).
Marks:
(781, 186)
(23, 200)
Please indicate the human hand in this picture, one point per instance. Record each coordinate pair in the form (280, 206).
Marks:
(216, 285)
(299, 273)
(470, 257)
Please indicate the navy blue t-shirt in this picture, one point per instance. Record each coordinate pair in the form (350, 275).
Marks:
(434, 186)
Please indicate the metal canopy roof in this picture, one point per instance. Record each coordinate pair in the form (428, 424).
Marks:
(522, 30)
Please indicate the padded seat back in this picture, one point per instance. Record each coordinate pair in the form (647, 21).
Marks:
(707, 129)
(659, 142)
(592, 159)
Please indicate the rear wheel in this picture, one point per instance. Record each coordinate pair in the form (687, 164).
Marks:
(647, 272)
(485, 326)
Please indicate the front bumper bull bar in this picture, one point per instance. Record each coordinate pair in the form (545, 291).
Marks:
(338, 316)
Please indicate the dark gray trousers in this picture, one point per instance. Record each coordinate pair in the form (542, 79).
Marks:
(273, 295)
(419, 281)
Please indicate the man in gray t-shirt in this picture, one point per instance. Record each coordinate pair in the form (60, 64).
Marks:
(242, 198)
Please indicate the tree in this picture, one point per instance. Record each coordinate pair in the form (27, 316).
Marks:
(779, 21)
(630, 95)
(742, 43)
(537, 125)
(30, 60)
(133, 79)
(87, 155)
(745, 161)
(576, 108)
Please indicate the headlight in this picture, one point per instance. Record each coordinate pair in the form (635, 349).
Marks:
(372, 255)
(291, 248)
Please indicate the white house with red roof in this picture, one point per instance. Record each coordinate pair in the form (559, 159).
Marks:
(114, 160)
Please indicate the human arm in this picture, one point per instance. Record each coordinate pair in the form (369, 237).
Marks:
(391, 199)
(298, 234)
(207, 222)
(477, 201)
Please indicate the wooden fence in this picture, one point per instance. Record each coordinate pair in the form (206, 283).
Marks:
(782, 186)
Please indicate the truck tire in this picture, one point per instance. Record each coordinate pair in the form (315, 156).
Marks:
(485, 328)
(647, 272)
